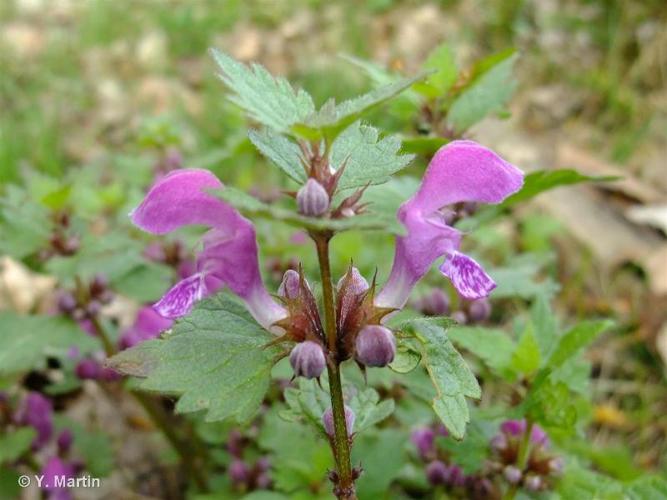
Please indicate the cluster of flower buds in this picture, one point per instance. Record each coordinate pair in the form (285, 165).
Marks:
(436, 303)
(370, 343)
(85, 302)
(314, 198)
(61, 242)
(439, 470)
(173, 254)
(36, 411)
(243, 475)
(92, 369)
(539, 465)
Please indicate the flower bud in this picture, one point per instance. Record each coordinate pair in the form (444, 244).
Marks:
(36, 411)
(556, 466)
(109, 374)
(98, 285)
(512, 474)
(263, 464)
(538, 436)
(327, 420)
(437, 473)
(375, 346)
(455, 476)
(93, 308)
(307, 359)
(479, 310)
(66, 302)
(238, 472)
(64, 441)
(263, 481)
(424, 441)
(436, 303)
(357, 283)
(513, 427)
(533, 483)
(289, 287)
(312, 199)
(87, 369)
(499, 442)
(460, 317)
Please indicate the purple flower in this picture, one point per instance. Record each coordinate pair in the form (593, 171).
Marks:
(55, 471)
(148, 325)
(513, 427)
(36, 411)
(437, 472)
(229, 256)
(462, 171)
(64, 441)
(238, 471)
(424, 440)
(88, 369)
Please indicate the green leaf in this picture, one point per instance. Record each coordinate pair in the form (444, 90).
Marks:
(443, 64)
(574, 340)
(647, 488)
(332, 118)
(580, 482)
(423, 145)
(472, 453)
(520, 277)
(378, 74)
(93, 447)
(492, 346)
(544, 322)
(281, 151)
(551, 405)
(407, 358)
(451, 377)
(9, 486)
(543, 180)
(295, 469)
(216, 360)
(369, 410)
(270, 100)
(368, 158)
(382, 456)
(252, 207)
(24, 224)
(310, 401)
(526, 358)
(26, 341)
(145, 283)
(486, 94)
(15, 443)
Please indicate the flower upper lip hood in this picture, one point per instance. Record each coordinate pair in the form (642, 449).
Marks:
(229, 256)
(461, 171)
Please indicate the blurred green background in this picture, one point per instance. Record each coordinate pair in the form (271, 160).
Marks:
(79, 79)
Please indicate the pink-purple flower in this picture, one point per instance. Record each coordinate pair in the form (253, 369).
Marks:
(462, 171)
(148, 325)
(229, 255)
